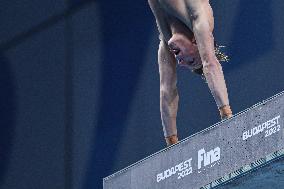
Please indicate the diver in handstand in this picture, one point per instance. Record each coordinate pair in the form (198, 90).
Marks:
(186, 39)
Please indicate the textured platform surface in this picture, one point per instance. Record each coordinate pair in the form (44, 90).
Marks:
(213, 156)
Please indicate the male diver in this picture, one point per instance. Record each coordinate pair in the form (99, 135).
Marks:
(186, 39)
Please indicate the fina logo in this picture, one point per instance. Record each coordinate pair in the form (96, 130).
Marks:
(208, 158)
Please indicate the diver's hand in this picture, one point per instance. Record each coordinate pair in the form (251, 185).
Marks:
(225, 112)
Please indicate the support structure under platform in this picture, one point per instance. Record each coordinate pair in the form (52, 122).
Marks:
(213, 156)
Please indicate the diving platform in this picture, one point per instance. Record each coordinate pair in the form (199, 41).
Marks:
(215, 156)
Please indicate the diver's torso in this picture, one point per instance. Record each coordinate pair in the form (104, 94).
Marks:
(175, 18)
(170, 16)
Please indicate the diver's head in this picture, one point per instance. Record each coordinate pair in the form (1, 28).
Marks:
(185, 50)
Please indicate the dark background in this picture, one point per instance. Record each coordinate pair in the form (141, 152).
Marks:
(79, 84)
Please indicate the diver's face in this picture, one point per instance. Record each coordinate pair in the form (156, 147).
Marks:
(184, 50)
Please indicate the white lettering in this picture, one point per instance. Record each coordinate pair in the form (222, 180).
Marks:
(208, 157)
(182, 169)
(269, 127)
